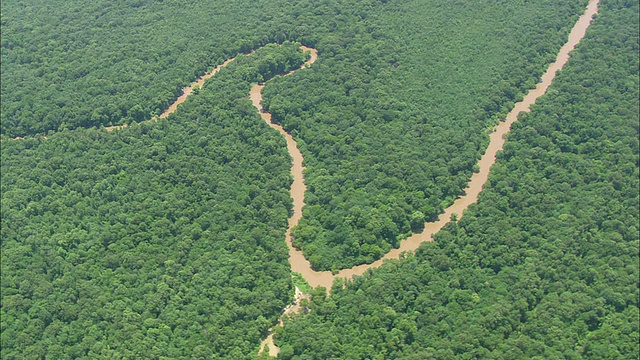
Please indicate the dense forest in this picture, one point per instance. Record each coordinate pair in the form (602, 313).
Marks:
(161, 240)
(394, 115)
(68, 64)
(390, 120)
(166, 239)
(545, 265)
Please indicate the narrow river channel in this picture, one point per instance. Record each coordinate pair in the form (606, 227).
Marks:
(325, 278)
(497, 139)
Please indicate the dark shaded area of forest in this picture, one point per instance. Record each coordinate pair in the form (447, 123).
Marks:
(545, 265)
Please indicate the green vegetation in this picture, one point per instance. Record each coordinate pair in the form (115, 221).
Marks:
(161, 240)
(70, 64)
(394, 113)
(390, 120)
(545, 265)
(165, 239)
(301, 283)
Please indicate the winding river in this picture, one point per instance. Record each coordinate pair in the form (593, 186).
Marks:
(497, 139)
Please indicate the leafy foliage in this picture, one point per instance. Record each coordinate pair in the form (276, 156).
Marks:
(392, 74)
(165, 239)
(161, 240)
(68, 64)
(545, 265)
(394, 113)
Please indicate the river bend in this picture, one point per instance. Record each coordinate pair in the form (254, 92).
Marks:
(496, 142)
(497, 139)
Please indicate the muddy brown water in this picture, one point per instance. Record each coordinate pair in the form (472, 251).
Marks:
(186, 92)
(325, 278)
(497, 139)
